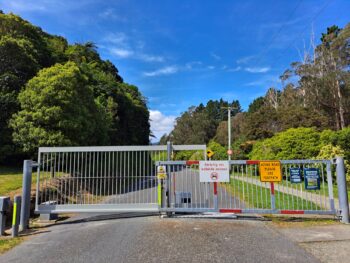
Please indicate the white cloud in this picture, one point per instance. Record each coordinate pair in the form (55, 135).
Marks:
(244, 60)
(215, 56)
(151, 58)
(193, 64)
(161, 123)
(122, 53)
(162, 71)
(265, 81)
(233, 69)
(111, 13)
(116, 38)
(257, 69)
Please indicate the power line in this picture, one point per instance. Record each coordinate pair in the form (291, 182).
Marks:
(268, 46)
(302, 32)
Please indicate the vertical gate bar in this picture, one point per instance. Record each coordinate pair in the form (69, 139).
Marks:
(85, 177)
(143, 179)
(105, 175)
(80, 176)
(98, 177)
(65, 178)
(89, 180)
(93, 175)
(124, 171)
(115, 178)
(73, 178)
(108, 184)
(323, 187)
(41, 183)
(232, 186)
(58, 179)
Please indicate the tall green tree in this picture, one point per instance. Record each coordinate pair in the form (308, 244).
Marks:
(57, 110)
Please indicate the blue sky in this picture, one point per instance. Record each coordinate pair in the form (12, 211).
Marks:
(181, 53)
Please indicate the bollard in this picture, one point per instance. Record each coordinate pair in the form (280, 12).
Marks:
(342, 191)
(16, 215)
(4, 206)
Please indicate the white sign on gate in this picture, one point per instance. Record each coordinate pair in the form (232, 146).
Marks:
(214, 171)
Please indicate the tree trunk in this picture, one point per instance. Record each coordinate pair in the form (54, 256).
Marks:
(340, 105)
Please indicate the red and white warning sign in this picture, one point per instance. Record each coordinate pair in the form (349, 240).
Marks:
(214, 171)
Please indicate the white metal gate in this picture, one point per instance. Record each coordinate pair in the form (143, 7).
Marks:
(101, 179)
(245, 193)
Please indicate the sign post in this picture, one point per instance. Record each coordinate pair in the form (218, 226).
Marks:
(270, 171)
(214, 172)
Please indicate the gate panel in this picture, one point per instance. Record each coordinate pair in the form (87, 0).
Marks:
(245, 193)
(101, 179)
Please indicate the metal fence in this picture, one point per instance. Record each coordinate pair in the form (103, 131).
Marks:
(245, 193)
(101, 179)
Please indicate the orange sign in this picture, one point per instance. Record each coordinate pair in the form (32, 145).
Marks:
(270, 171)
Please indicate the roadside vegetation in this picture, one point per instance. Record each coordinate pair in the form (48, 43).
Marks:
(55, 93)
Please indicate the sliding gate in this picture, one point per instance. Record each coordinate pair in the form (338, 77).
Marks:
(101, 179)
(245, 193)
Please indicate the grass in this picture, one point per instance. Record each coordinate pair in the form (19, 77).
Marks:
(288, 221)
(258, 197)
(8, 243)
(10, 180)
(285, 182)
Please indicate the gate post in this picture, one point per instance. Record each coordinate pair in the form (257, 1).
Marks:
(342, 191)
(168, 179)
(26, 188)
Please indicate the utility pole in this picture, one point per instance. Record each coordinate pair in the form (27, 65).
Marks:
(229, 109)
(229, 132)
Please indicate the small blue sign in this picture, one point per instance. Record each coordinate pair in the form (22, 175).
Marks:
(312, 178)
(295, 175)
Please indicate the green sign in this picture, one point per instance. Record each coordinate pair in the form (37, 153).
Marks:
(295, 175)
(312, 178)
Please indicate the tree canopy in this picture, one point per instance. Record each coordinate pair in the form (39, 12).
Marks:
(53, 93)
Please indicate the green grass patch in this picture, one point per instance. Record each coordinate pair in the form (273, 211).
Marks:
(10, 179)
(8, 243)
(258, 197)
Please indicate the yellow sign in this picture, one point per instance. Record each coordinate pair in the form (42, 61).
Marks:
(210, 153)
(161, 172)
(270, 171)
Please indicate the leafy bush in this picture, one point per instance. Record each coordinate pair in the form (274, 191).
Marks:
(329, 151)
(295, 143)
(218, 149)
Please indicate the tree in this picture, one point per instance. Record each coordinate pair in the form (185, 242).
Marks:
(256, 104)
(57, 110)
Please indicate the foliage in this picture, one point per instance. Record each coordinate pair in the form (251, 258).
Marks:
(219, 150)
(199, 124)
(116, 110)
(295, 143)
(58, 109)
(329, 151)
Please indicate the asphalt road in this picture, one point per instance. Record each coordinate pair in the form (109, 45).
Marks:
(153, 239)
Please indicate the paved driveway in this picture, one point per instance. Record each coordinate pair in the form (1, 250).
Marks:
(152, 239)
